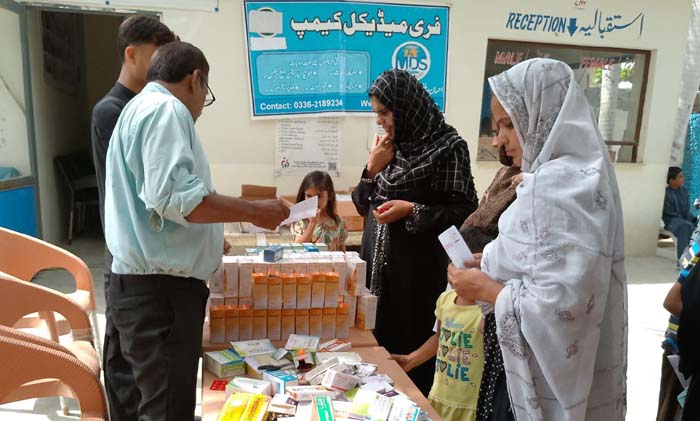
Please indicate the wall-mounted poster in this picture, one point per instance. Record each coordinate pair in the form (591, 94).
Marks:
(321, 56)
(305, 145)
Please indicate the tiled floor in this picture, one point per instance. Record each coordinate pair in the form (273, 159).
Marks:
(649, 279)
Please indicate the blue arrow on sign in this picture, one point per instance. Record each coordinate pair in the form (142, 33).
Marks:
(572, 26)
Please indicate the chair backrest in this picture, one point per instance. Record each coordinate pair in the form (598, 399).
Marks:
(63, 166)
(23, 256)
(25, 362)
(75, 166)
(21, 298)
(28, 337)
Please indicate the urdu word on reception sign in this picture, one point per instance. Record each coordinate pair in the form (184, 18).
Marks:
(321, 57)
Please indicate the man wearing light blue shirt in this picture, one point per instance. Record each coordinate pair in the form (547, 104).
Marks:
(163, 225)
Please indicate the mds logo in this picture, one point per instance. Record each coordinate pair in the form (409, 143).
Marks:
(412, 57)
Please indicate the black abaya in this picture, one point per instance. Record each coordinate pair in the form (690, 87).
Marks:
(415, 271)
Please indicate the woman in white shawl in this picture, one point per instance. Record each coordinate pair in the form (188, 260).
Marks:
(556, 271)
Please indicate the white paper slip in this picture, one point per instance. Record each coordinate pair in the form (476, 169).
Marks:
(268, 44)
(297, 342)
(302, 210)
(254, 229)
(456, 248)
(254, 347)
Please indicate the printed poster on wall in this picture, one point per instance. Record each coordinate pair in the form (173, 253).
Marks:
(305, 145)
(307, 58)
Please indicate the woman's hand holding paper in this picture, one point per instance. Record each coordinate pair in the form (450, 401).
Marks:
(473, 284)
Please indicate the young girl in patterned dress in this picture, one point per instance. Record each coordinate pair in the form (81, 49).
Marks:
(326, 227)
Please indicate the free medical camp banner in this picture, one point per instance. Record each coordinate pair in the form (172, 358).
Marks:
(319, 57)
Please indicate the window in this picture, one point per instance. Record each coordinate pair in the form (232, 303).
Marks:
(613, 80)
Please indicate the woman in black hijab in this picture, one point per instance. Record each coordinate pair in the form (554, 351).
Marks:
(417, 183)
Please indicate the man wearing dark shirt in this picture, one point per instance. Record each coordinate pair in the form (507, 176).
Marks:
(104, 118)
(138, 38)
(676, 214)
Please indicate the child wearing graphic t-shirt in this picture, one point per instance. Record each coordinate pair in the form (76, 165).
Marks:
(459, 343)
(460, 359)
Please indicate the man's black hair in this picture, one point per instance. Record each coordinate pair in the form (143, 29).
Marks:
(141, 29)
(173, 61)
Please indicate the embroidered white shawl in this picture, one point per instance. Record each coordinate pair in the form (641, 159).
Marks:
(562, 316)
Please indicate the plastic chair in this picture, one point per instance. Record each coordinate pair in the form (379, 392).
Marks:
(28, 363)
(20, 298)
(78, 173)
(23, 257)
(29, 298)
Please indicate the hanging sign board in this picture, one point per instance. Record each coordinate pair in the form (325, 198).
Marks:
(321, 57)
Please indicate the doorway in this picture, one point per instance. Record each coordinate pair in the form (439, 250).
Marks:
(74, 63)
(62, 61)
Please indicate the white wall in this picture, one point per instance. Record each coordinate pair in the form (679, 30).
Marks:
(241, 150)
(11, 63)
(14, 149)
(665, 33)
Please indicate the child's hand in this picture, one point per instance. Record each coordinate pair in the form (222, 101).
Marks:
(314, 220)
(404, 361)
